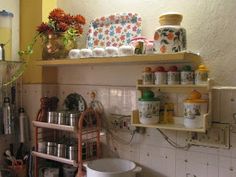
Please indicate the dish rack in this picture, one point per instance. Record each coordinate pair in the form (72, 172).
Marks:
(86, 133)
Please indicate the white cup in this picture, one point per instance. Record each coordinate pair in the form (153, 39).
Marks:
(74, 53)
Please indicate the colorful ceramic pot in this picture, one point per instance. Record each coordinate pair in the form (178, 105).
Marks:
(201, 75)
(170, 37)
(186, 75)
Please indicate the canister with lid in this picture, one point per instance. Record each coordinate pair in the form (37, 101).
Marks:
(51, 148)
(160, 75)
(72, 153)
(186, 75)
(52, 117)
(61, 150)
(73, 119)
(194, 110)
(149, 108)
(201, 75)
(61, 118)
(170, 37)
(173, 75)
(147, 76)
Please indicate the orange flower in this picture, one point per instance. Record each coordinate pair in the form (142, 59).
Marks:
(156, 36)
(80, 19)
(56, 14)
(170, 36)
(163, 49)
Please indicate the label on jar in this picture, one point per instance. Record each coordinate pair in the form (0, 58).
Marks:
(149, 111)
(172, 77)
(147, 78)
(186, 77)
(160, 78)
(194, 110)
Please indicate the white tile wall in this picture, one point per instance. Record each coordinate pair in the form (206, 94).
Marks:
(150, 150)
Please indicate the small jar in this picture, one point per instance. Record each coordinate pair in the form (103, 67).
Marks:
(73, 119)
(61, 118)
(201, 75)
(160, 75)
(170, 37)
(52, 117)
(149, 108)
(147, 76)
(51, 148)
(173, 76)
(186, 75)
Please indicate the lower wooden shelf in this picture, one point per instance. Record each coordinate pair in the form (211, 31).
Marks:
(178, 125)
(55, 158)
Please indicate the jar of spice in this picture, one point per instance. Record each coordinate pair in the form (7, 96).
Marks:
(201, 75)
(160, 75)
(186, 75)
(170, 37)
(147, 76)
(173, 75)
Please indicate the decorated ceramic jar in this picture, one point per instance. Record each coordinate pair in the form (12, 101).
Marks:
(170, 37)
(147, 76)
(160, 75)
(194, 110)
(173, 76)
(111, 51)
(201, 75)
(186, 75)
(149, 108)
(98, 52)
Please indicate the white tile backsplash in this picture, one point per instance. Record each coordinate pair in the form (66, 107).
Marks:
(150, 150)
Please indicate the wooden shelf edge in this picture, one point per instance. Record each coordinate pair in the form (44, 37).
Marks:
(54, 126)
(55, 158)
(178, 126)
(180, 57)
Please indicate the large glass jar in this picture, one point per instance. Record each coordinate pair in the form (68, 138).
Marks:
(170, 37)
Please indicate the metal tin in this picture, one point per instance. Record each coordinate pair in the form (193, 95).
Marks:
(51, 148)
(72, 153)
(61, 150)
(61, 118)
(42, 147)
(73, 119)
(52, 117)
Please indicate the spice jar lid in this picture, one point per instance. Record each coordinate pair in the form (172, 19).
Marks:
(195, 97)
(202, 68)
(170, 18)
(148, 95)
(173, 68)
(147, 69)
(160, 69)
(187, 68)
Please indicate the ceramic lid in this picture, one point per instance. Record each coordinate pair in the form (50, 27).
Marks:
(202, 68)
(195, 97)
(148, 95)
(170, 18)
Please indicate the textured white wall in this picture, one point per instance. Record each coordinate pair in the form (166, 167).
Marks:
(210, 26)
(13, 6)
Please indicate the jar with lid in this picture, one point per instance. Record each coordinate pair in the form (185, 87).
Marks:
(173, 75)
(201, 75)
(186, 75)
(170, 37)
(147, 76)
(160, 75)
(149, 108)
(6, 34)
(194, 109)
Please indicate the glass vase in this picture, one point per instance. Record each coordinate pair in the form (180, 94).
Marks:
(57, 46)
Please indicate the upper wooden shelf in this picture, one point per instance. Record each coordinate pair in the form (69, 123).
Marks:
(181, 57)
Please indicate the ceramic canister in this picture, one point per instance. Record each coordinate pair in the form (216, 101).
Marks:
(201, 75)
(170, 37)
(173, 75)
(194, 110)
(149, 108)
(186, 75)
(147, 76)
(160, 75)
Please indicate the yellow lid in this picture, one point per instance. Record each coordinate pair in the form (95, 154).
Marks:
(170, 18)
(202, 68)
(195, 97)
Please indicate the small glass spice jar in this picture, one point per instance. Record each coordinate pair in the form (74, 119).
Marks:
(170, 37)
(173, 75)
(201, 75)
(160, 75)
(147, 76)
(186, 75)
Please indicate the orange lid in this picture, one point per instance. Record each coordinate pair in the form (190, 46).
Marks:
(195, 97)
(170, 18)
(202, 68)
(147, 69)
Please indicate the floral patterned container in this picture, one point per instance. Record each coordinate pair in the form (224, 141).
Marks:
(170, 37)
(186, 75)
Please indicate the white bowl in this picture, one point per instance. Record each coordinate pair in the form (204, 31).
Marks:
(126, 50)
(74, 53)
(111, 51)
(86, 53)
(98, 52)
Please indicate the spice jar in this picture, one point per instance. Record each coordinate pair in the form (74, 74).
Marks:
(194, 109)
(186, 75)
(170, 37)
(149, 108)
(160, 75)
(173, 75)
(201, 75)
(147, 76)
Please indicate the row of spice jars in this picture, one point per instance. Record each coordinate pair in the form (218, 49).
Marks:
(62, 118)
(173, 76)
